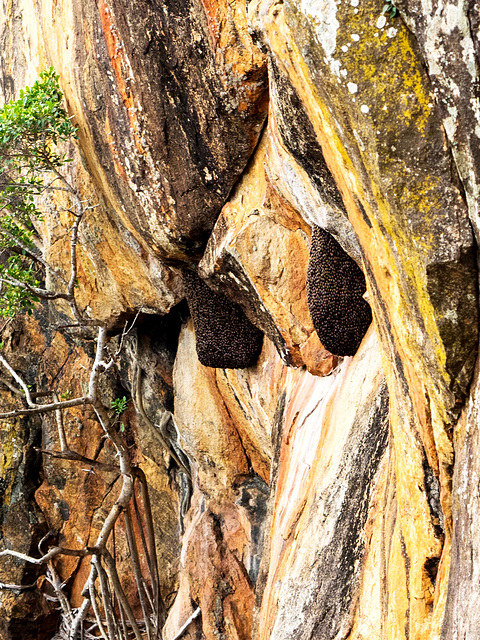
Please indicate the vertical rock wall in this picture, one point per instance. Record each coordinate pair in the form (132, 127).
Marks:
(330, 497)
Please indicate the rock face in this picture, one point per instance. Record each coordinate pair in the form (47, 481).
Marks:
(312, 459)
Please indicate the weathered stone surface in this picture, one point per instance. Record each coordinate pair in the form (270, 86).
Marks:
(224, 527)
(118, 274)
(59, 495)
(370, 101)
(333, 442)
(258, 250)
(372, 136)
(462, 616)
(23, 614)
(294, 184)
(447, 35)
(180, 612)
(204, 423)
(251, 397)
(220, 584)
(297, 161)
(433, 218)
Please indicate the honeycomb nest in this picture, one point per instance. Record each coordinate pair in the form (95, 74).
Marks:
(335, 286)
(225, 338)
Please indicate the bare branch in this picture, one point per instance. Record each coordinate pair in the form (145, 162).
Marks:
(10, 386)
(73, 268)
(112, 570)
(76, 457)
(142, 538)
(137, 570)
(119, 349)
(48, 535)
(52, 552)
(97, 364)
(81, 614)
(68, 187)
(152, 555)
(19, 380)
(57, 585)
(6, 322)
(31, 254)
(124, 631)
(185, 626)
(18, 587)
(61, 429)
(19, 392)
(159, 430)
(36, 291)
(46, 408)
(64, 404)
(106, 599)
(96, 612)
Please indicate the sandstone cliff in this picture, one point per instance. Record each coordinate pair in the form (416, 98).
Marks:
(328, 495)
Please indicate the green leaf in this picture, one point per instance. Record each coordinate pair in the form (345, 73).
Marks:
(30, 130)
(119, 405)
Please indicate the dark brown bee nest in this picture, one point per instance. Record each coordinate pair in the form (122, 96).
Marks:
(335, 286)
(225, 338)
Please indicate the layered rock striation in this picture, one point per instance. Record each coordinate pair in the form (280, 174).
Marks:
(310, 455)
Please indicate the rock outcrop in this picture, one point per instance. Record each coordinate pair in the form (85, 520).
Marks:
(312, 461)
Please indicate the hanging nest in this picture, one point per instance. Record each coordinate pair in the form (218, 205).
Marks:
(335, 286)
(225, 338)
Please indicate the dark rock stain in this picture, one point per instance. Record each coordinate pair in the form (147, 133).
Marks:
(337, 566)
(191, 117)
(299, 137)
(453, 290)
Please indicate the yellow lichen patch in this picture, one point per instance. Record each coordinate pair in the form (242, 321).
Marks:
(8, 11)
(387, 73)
(384, 237)
(382, 106)
(10, 458)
